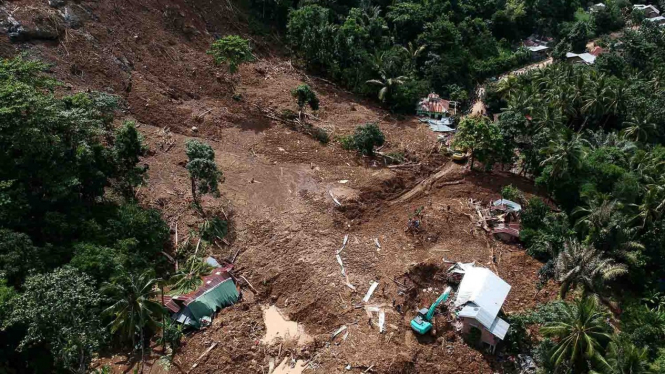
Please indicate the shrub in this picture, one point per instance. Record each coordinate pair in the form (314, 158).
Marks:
(232, 50)
(346, 142)
(321, 135)
(366, 137)
(512, 193)
(305, 96)
(213, 229)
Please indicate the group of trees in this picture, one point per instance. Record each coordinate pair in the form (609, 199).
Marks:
(79, 257)
(591, 137)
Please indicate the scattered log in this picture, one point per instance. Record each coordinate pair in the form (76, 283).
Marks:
(212, 346)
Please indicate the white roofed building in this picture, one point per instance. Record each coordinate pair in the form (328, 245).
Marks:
(481, 295)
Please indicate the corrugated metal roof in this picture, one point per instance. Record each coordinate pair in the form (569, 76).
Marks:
(586, 57)
(211, 281)
(486, 291)
(645, 7)
(434, 104)
(536, 48)
(499, 328)
(511, 205)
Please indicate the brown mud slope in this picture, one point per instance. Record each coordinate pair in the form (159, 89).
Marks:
(278, 181)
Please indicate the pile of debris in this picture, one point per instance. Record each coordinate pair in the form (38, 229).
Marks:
(501, 218)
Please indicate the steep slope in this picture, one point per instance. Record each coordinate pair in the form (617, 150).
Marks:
(277, 187)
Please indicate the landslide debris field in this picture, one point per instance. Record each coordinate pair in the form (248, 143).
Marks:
(285, 226)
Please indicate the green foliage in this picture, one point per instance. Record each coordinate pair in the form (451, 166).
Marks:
(134, 305)
(188, 277)
(366, 137)
(213, 229)
(580, 335)
(346, 142)
(128, 148)
(512, 193)
(305, 96)
(482, 138)
(172, 334)
(232, 50)
(60, 311)
(202, 168)
(60, 154)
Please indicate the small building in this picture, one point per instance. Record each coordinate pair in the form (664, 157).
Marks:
(580, 58)
(481, 295)
(507, 225)
(217, 290)
(660, 20)
(538, 52)
(650, 11)
(435, 107)
(597, 7)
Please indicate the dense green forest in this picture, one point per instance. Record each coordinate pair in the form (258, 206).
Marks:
(414, 47)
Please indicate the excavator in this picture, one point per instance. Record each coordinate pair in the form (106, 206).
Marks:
(421, 323)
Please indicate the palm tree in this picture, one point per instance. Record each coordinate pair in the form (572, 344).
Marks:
(580, 265)
(188, 277)
(413, 52)
(580, 335)
(387, 84)
(135, 306)
(623, 357)
(564, 155)
(652, 205)
(639, 129)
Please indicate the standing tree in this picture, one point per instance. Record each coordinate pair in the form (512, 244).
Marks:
(305, 96)
(128, 148)
(60, 313)
(367, 137)
(482, 138)
(135, 307)
(232, 50)
(580, 335)
(388, 85)
(580, 265)
(202, 169)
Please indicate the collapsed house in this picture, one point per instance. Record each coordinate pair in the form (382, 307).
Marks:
(480, 296)
(218, 290)
(505, 220)
(650, 11)
(538, 52)
(435, 107)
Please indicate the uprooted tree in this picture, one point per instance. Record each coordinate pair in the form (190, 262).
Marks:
(202, 169)
(305, 96)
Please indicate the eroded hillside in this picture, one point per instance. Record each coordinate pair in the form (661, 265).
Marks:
(286, 229)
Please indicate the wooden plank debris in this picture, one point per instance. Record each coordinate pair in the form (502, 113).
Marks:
(370, 291)
(196, 363)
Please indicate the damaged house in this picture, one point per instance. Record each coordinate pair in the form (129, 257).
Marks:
(218, 290)
(480, 296)
(435, 107)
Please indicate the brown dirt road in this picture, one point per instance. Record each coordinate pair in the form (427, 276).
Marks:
(277, 183)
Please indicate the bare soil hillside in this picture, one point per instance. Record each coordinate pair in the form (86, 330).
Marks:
(278, 184)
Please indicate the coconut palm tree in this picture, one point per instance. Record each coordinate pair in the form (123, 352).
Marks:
(564, 155)
(579, 335)
(188, 277)
(581, 265)
(387, 84)
(135, 306)
(639, 129)
(623, 357)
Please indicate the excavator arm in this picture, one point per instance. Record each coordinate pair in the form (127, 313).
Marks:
(439, 300)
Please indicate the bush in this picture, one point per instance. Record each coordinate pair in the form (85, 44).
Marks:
(232, 50)
(321, 135)
(366, 137)
(512, 193)
(213, 229)
(346, 142)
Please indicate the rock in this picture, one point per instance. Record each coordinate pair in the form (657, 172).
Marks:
(195, 129)
(25, 25)
(56, 3)
(71, 18)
